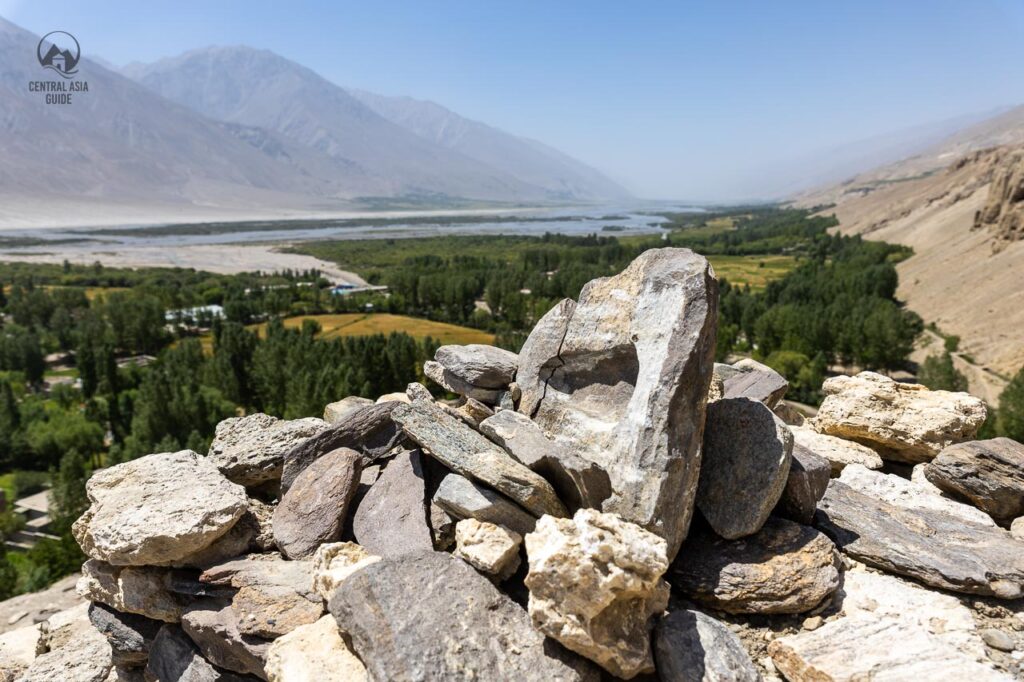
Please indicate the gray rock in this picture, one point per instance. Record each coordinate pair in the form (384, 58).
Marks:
(997, 639)
(934, 547)
(442, 526)
(784, 568)
(465, 451)
(621, 379)
(838, 451)
(250, 450)
(575, 479)
(757, 382)
(338, 412)
(417, 391)
(464, 499)
(458, 626)
(142, 590)
(693, 647)
(479, 365)
(473, 412)
(174, 658)
(808, 478)
(314, 509)
(392, 517)
(744, 466)
(370, 431)
(987, 473)
(213, 628)
(450, 382)
(130, 635)
(251, 533)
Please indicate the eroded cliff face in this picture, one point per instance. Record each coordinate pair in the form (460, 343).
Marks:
(1003, 213)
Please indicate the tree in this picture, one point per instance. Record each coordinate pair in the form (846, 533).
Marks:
(1011, 408)
(938, 373)
(67, 497)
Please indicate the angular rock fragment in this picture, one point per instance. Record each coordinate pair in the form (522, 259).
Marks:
(338, 412)
(904, 422)
(621, 379)
(473, 412)
(131, 589)
(838, 451)
(464, 499)
(1017, 528)
(392, 518)
(313, 653)
(908, 494)
(489, 548)
(450, 630)
(334, 562)
(808, 478)
(892, 630)
(757, 382)
(251, 533)
(71, 649)
(789, 414)
(450, 382)
(314, 509)
(784, 568)
(370, 431)
(442, 527)
(987, 473)
(213, 628)
(932, 546)
(693, 647)
(466, 452)
(157, 509)
(744, 466)
(396, 397)
(18, 648)
(130, 636)
(576, 480)
(250, 450)
(417, 391)
(595, 583)
(175, 657)
(478, 364)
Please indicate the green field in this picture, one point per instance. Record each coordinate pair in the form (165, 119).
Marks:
(756, 271)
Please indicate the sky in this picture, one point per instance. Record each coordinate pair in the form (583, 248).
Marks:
(675, 100)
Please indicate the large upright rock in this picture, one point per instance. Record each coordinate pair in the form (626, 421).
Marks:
(621, 379)
(693, 647)
(430, 616)
(595, 583)
(392, 517)
(250, 450)
(157, 509)
(988, 473)
(904, 422)
(466, 452)
(744, 466)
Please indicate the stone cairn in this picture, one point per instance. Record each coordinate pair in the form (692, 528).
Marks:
(609, 503)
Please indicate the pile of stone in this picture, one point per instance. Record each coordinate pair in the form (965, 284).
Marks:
(608, 503)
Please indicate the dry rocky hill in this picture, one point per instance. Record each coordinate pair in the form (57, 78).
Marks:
(607, 504)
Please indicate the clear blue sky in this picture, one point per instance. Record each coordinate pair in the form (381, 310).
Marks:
(674, 99)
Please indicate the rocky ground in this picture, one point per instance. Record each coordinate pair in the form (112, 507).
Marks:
(607, 504)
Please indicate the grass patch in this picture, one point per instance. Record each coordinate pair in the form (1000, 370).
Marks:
(756, 271)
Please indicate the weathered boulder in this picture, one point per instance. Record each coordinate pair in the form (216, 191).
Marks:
(576, 480)
(369, 431)
(273, 596)
(808, 478)
(72, 650)
(988, 473)
(338, 412)
(392, 518)
(838, 451)
(489, 548)
(595, 584)
(744, 466)
(690, 646)
(908, 494)
(436, 372)
(334, 562)
(313, 653)
(903, 422)
(314, 509)
(889, 630)
(458, 626)
(464, 499)
(213, 628)
(784, 568)
(934, 547)
(142, 590)
(479, 365)
(157, 509)
(250, 450)
(466, 452)
(130, 636)
(175, 657)
(756, 381)
(621, 379)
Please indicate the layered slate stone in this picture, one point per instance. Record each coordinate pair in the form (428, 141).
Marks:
(744, 466)
(457, 626)
(479, 364)
(690, 646)
(141, 590)
(465, 499)
(808, 478)
(756, 381)
(784, 568)
(338, 412)
(250, 450)
(392, 518)
(987, 473)
(934, 547)
(621, 379)
(130, 635)
(213, 628)
(466, 452)
(838, 451)
(175, 657)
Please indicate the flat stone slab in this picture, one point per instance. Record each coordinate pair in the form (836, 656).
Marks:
(838, 451)
(934, 547)
(690, 646)
(213, 628)
(392, 518)
(250, 450)
(465, 499)
(130, 635)
(987, 473)
(337, 412)
(478, 364)
(175, 657)
(436, 372)
(757, 382)
(141, 590)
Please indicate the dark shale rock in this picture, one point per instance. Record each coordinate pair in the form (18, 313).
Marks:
(987, 473)
(130, 635)
(213, 628)
(808, 478)
(757, 382)
(693, 647)
(392, 517)
(464, 499)
(174, 658)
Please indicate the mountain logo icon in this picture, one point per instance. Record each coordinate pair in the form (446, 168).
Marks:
(59, 51)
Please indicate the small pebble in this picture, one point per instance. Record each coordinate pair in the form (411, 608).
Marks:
(768, 664)
(812, 623)
(997, 639)
(769, 636)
